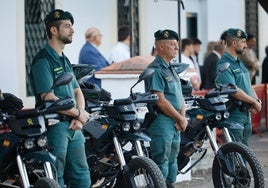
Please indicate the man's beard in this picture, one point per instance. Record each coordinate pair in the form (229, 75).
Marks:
(240, 52)
(65, 40)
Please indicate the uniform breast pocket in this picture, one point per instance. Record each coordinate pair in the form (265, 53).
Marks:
(173, 85)
(240, 76)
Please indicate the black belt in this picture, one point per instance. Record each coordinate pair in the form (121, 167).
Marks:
(65, 118)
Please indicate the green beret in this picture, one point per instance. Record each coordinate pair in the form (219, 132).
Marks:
(166, 35)
(58, 14)
(238, 33)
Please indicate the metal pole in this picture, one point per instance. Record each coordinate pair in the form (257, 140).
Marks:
(131, 26)
(179, 28)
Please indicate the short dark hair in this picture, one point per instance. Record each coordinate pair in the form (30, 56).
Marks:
(223, 35)
(185, 42)
(55, 23)
(196, 41)
(123, 33)
(250, 36)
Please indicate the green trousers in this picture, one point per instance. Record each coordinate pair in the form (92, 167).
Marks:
(164, 146)
(241, 135)
(69, 150)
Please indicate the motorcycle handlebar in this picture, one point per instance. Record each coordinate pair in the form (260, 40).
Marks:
(226, 89)
(146, 97)
(48, 107)
(55, 106)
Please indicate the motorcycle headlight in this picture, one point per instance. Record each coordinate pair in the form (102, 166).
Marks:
(126, 126)
(218, 116)
(136, 125)
(226, 115)
(42, 141)
(29, 143)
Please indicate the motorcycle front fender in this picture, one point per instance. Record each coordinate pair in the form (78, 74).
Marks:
(225, 165)
(138, 136)
(43, 156)
(231, 125)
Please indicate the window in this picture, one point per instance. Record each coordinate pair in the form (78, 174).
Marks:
(191, 25)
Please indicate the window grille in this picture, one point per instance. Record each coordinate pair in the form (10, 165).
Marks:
(35, 12)
(252, 24)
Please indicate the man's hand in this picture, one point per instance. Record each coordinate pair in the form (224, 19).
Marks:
(256, 107)
(181, 125)
(76, 125)
(83, 116)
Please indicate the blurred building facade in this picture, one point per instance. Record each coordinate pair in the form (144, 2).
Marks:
(206, 19)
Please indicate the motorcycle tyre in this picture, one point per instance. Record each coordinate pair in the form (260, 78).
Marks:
(151, 168)
(46, 183)
(248, 156)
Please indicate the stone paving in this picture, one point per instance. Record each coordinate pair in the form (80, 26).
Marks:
(257, 143)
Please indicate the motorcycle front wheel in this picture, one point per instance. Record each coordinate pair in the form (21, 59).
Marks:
(46, 183)
(146, 174)
(246, 169)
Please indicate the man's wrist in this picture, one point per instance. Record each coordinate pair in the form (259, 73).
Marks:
(259, 101)
(78, 114)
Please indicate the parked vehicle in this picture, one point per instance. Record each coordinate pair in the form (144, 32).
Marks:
(234, 164)
(25, 158)
(113, 142)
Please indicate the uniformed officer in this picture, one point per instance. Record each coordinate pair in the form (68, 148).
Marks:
(66, 136)
(165, 129)
(237, 74)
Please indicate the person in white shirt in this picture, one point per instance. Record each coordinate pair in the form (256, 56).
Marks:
(192, 72)
(121, 51)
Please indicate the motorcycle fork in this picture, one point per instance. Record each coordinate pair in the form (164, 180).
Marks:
(138, 148)
(48, 170)
(212, 139)
(226, 134)
(23, 172)
(128, 176)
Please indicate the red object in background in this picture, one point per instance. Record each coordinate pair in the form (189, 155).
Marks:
(261, 92)
(200, 92)
(265, 106)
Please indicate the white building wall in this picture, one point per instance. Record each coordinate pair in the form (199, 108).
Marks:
(263, 37)
(91, 13)
(9, 49)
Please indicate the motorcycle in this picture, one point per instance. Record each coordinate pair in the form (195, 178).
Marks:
(234, 165)
(113, 142)
(25, 158)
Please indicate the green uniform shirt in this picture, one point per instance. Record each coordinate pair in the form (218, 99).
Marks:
(238, 75)
(46, 67)
(166, 81)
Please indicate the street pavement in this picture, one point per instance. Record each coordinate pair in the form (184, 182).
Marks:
(258, 143)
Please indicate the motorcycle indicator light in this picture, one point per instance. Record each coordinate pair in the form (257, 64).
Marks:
(218, 116)
(29, 143)
(199, 116)
(104, 126)
(126, 126)
(42, 141)
(136, 126)
(6, 143)
(226, 115)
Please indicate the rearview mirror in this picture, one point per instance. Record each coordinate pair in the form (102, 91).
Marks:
(146, 74)
(62, 80)
(224, 67)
